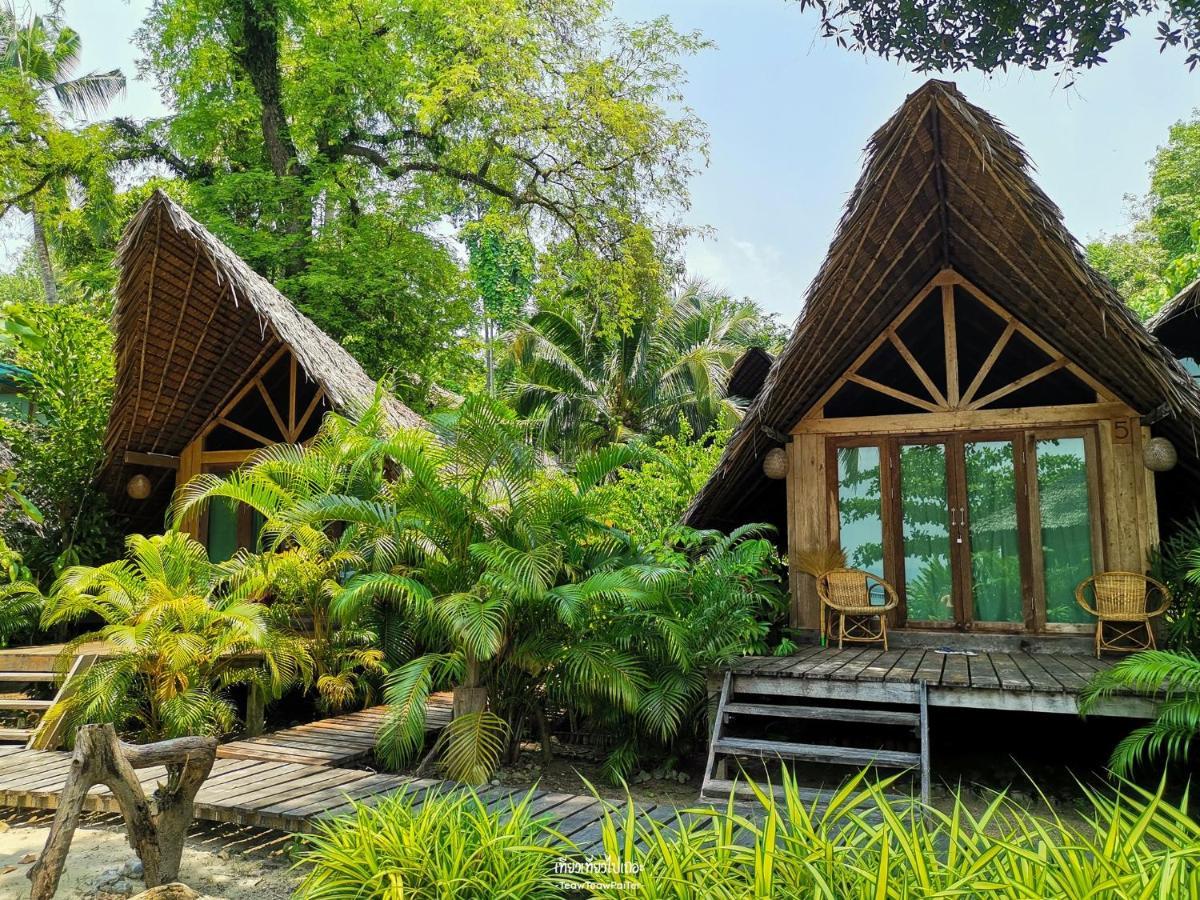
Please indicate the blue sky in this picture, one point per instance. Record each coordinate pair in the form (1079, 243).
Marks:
(790, 113)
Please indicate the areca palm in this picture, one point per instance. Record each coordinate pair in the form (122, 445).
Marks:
(175, 642)
(46, 52)
(302, 564)
(587, 388)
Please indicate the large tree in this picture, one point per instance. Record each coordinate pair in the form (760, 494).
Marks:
(1160, 253)
(39, 58)
(939, 35)
(302, 126)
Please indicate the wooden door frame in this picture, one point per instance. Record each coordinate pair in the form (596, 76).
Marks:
(1032, 575)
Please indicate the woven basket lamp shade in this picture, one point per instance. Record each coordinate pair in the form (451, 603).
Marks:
(775, 464)
(1159, 455)
(138, 487)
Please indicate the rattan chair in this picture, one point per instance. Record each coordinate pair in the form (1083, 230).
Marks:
(848, 594)
(1122, 602)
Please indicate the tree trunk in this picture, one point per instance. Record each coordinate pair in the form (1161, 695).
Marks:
(156, 835)
(41, 250)
(470, 696)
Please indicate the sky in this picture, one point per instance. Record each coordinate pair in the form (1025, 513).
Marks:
(789, 113)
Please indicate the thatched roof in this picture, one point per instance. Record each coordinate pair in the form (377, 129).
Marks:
(1177, 324)
(945, 185)
(749, 372)
(192, 320)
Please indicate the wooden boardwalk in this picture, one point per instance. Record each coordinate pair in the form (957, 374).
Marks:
(1017, 681)
(291, 796)
(339, 741)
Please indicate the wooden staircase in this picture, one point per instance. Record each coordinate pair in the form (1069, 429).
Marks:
(741, 714)
(27, 676)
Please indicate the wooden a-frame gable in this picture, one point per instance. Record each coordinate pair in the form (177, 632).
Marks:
(981, 377)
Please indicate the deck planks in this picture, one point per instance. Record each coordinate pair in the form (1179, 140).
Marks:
(1019, 680)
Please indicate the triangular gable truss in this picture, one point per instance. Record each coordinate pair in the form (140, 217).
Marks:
(961, 389)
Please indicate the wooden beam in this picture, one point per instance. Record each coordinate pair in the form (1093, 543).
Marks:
(235, 394)
(959, 419)
(156, 460)
(904, 396)
(292, 387)
(1021, 382)
(248, 432)
(284, 431)
(918, 370)
(990, 361)
(950, 336)
(312, 407)
(226, 457)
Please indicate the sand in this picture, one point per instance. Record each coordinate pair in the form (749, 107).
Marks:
(218, 861)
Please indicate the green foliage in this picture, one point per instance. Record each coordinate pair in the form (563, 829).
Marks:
(863, 844)
(176, 641)
(1160, 255)
(648, 498)
(448, 847)
(1172, 562)
(975, 34)
(587, 388)
(67, 348)
(1171, 679)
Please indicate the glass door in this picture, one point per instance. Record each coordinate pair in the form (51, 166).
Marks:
(925, 512)
(992, 532)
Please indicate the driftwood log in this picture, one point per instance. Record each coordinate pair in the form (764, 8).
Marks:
(156, 831)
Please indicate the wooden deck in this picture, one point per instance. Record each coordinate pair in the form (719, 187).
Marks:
(291, 796)
(339, 741)
(1015, 681)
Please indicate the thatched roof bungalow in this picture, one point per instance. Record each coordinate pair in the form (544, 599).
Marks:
(212, 363)
(956, 356)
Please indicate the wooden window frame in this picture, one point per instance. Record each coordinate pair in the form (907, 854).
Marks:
(1024, 441)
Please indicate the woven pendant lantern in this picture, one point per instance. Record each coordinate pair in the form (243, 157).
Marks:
(138, 487)
(1159, 455)
(775, 464)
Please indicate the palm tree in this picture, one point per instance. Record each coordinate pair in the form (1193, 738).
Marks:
(587, 388)
(175, 641)
(45, 52)
(1172, 679)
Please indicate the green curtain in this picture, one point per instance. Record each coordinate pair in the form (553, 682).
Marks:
(859, 511)
(1066, 525)
(925, 522)
(995, 548)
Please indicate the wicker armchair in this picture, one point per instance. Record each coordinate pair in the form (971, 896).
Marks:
(849, 594)
(1122, 603)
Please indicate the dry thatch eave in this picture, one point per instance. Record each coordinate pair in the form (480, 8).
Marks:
(945, 185)
(192, 322)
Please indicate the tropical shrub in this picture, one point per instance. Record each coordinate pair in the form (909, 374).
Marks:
(1173, 681)
(450, 847)
(646, 499)
(705, 599)
(68, 351)
(1176, 563)
(300, 566)
(176, 642)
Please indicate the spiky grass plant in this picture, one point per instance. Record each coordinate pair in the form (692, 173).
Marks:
(863, 844)
(449, 847)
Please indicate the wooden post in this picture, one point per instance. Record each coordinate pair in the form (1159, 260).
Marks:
(155, 833)
(255, 711)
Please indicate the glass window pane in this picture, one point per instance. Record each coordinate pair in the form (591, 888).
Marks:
(995, 547)
(222, 530)
(859, 508)
(925, 521)
(1066, 525)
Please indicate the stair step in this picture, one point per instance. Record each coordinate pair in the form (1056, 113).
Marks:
(826, 713)
(24, 703)
(849, 756)
(16, 734)
(28, 676)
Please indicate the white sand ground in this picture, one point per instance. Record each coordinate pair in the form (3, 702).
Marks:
(219, 862)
